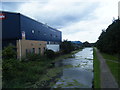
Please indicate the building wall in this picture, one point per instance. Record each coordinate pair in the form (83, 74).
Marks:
(54, 47)
(15, 23)
(35, 30)
(26, 46)
(11, 26)
(35, 33)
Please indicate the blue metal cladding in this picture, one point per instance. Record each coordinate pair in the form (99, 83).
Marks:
(37, 31)
(10, 26)
(15, 23)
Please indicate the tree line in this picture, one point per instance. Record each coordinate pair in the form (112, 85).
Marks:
(109, 40)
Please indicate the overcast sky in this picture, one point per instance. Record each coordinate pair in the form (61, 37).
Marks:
(81, 20)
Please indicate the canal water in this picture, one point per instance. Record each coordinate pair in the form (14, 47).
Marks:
(79, 70)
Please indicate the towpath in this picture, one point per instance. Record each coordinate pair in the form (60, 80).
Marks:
(107, 79)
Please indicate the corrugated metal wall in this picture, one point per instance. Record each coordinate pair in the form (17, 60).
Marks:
(15, 23)
(37, 31)
(10, 26)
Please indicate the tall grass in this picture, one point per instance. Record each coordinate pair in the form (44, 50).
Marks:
(25, 73)
(18, 74)
(96, 65)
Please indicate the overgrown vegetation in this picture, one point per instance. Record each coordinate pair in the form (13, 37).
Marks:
(87, 44)
(96, 65)
(50, 54)
(109, 40)
(34, 68)
(18, 74)
(9, 52)
(67, 47)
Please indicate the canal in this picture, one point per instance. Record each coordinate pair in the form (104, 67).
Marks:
(79, 70)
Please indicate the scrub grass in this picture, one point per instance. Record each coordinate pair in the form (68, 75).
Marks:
(34, 73)
(110, 57)
(70, 55)
(18, 74)
(114, 67)
(96, 65)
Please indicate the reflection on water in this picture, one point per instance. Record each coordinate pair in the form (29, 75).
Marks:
(80, 74)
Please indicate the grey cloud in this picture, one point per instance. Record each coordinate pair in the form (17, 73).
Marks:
(72, 17)
(58, 19)
(11, 6)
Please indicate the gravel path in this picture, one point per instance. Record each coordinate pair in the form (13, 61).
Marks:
(107, 79)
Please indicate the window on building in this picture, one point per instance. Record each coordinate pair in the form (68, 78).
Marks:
(33, 50)
(33, 31)
(39, 50)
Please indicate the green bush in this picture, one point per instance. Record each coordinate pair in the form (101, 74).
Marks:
(58, 53)
(9, 69)
(67, 47)
(50, 54)
(18, 74)
(9, 52)
(33, 57)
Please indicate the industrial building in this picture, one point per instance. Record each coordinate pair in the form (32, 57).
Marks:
(28, 35)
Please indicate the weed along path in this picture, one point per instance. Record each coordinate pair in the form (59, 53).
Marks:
(77, 71)
(107, 79)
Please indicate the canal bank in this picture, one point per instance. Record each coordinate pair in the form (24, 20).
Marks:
(53, 72)
(77, 71)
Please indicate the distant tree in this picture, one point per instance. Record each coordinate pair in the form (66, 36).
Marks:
(67, 46)
(86, 44)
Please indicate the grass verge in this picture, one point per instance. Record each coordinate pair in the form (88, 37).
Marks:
(96, 65)
(110, 57)
(114, 67)
(67, 55)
